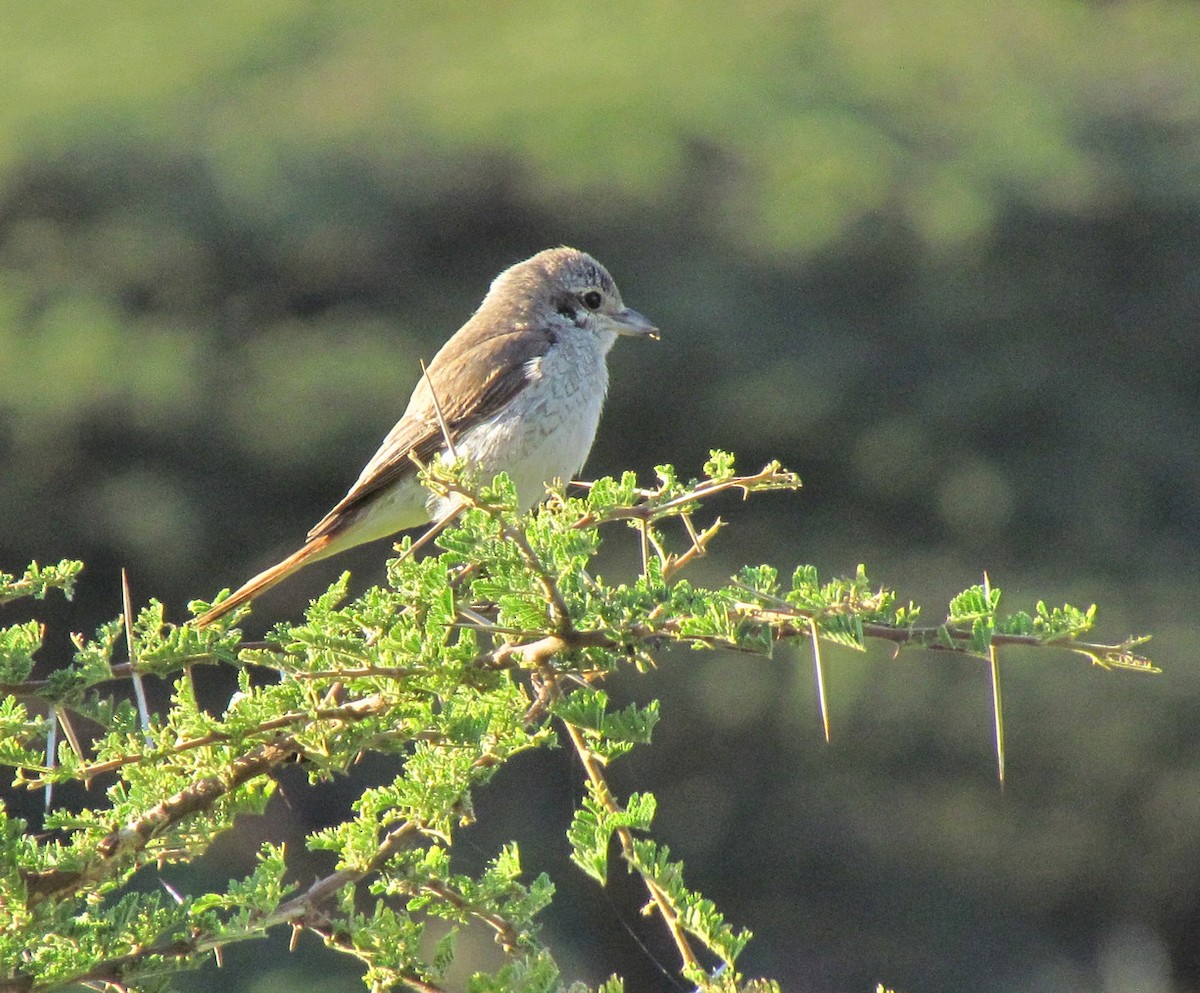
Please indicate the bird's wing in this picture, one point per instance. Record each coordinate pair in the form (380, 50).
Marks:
(465, 399)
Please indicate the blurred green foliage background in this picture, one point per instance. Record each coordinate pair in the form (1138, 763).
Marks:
(942, 258)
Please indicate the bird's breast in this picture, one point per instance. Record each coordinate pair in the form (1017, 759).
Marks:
(546, 431)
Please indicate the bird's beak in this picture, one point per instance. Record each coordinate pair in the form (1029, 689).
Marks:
(632, 323)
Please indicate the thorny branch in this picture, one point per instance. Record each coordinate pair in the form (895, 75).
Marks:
(118, 846)
(303, 910)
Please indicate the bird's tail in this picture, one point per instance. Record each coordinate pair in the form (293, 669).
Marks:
(313, 550)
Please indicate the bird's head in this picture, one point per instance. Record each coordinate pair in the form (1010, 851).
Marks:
(572, 287)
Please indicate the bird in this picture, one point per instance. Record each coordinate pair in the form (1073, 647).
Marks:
(518, 388)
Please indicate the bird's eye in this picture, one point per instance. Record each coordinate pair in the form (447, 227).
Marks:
(592, 300)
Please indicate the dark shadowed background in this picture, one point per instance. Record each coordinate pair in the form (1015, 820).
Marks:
(941, 258)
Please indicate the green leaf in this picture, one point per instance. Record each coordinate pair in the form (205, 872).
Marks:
(594, 823)
(17, 647)
(38, 580)
(720, 466)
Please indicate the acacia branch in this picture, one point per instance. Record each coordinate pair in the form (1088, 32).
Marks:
(594, 768)
(354, 711)
(126, 841)
(795, 624)
(302, 911)
(771, 477)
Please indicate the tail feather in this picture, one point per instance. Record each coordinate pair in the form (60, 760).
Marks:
(311, 552)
